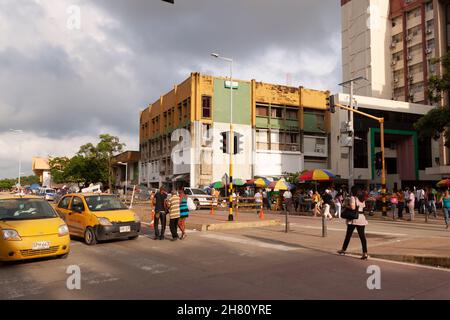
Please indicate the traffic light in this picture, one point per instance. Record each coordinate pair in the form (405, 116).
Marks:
(331, 106)
(224, 142)
(238, 144)
(378, 160)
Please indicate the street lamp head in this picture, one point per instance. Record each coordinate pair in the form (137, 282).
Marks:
(215, 55)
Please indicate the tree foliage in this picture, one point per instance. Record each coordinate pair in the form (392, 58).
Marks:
(24, 181)
(91, 164)
(437, 121)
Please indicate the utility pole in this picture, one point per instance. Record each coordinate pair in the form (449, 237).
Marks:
(383, 164)
(351, 150)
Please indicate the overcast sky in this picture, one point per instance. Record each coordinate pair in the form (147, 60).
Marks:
(64, 86)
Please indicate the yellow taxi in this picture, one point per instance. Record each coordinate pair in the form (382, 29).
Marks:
(30, 228)
(98, 217)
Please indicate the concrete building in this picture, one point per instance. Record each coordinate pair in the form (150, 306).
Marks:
(406, 155)
(128, 172)
(41, 168)
(391, 44)
(284, 129)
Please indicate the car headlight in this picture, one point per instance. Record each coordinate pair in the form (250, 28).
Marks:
(63, 230)
(11, 235)
(104, 221)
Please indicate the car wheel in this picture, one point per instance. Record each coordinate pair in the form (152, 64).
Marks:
(133, 237)
(89, 236)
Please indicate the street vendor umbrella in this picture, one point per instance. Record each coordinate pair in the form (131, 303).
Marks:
(238, 182)
(217, 185)
(444, 183)
(279, 185)
(261, 182)
(317, 175)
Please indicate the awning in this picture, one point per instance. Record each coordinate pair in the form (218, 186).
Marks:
(181, 177)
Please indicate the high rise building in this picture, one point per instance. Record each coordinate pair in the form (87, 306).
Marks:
(391, 44)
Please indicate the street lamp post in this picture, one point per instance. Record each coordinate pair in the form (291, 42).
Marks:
(231, 142)
(126, 176)
(16, 131)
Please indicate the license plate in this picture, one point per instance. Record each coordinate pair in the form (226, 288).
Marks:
(39, 245)
(125, 229)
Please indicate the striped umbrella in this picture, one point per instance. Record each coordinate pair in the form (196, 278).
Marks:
(444, 183)
(238, 182)
(280, 185)
(317, 175)
(262, 182)
(217, 185)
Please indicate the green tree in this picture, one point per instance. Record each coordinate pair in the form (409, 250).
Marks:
(437, 121)
(91, 164)
(108, 147)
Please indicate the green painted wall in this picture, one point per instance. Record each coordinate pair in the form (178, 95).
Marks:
(242, 113)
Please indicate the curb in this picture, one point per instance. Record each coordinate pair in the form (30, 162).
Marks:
(433, 261)
(232, 225)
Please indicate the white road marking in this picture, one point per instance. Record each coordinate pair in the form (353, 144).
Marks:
(250, 242)
(340, 229)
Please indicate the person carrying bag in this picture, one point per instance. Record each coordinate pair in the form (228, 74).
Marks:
(354, 215)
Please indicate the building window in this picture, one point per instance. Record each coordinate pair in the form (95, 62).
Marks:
(262, 141)
(262, 111)
(276, 113)
(429, 6)
(180, 112)
(206, 107)
(291, 114)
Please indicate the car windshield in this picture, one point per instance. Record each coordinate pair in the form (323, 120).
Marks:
(25, 209)
(104, 203)
(198, 191)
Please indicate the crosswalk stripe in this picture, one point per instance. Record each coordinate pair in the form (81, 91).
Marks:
(260, 244)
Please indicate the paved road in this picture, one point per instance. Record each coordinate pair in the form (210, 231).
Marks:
(242, 264)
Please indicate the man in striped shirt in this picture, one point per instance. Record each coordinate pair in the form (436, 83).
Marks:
(174, 213)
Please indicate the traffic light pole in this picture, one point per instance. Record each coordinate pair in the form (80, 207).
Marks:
(230, 214)
(383, 165)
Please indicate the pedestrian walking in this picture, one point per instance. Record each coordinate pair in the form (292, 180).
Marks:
(266, 201)
(258, 201)
(411, 200)
(327, 202)
(338, 204)
(174, 214)
(316, 200)
(356, 203)
(421, 200)
(287, 199)
(394, 202)
(159, 203)
(401, 203)
(446, 206)
(431, 198)
(184, 212)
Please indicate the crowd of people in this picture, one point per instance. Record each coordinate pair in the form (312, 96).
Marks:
(173, 207)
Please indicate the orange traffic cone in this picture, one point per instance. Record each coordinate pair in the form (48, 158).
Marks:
(261, 213)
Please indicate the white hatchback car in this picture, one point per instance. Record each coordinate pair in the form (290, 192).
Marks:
(200, 197)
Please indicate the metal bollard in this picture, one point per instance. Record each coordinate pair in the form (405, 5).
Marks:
(324, 226)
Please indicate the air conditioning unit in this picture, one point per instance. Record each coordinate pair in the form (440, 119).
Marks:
(409, 57)
(394, 62)
(428, 51)
(409, 38)
(294, 148)
(396, 80)
(393, 44)
(429, 30)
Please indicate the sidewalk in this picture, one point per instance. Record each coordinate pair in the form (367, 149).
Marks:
(400, 240)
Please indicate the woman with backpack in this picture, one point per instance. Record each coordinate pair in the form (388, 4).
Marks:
(355, 210)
